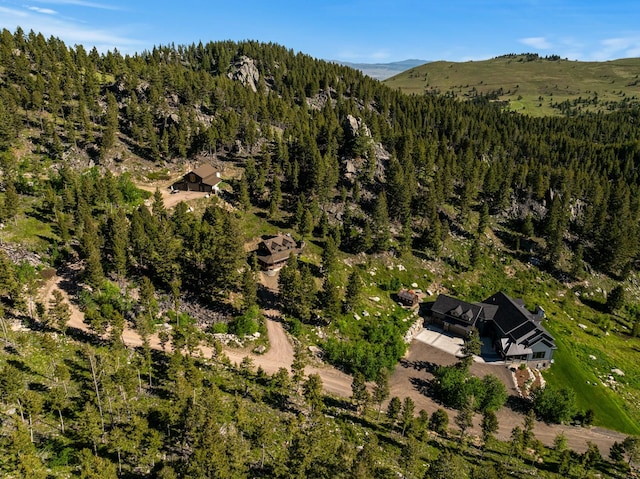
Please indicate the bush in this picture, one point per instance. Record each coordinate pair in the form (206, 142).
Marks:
(551, 404)
(381, 347)
(220, 328)
(453, 386)
(247, 324)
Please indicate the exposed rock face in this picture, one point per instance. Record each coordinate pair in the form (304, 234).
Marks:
(246, 72)
(318, 101)
(357, 127)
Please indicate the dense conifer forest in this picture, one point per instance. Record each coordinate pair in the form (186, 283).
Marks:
(361, 173)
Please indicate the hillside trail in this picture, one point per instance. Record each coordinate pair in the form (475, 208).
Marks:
(404, 382)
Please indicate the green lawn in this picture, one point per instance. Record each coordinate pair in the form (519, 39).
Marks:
(575, 366)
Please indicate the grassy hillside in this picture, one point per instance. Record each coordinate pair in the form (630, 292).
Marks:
(530, 84)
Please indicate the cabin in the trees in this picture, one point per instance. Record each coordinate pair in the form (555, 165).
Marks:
(408, 297)
(517, 333)
(204, 178)
(274, 251)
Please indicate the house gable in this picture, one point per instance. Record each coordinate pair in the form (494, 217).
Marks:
(456, 315)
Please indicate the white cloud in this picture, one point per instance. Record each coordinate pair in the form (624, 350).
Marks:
(380, 55)
(81, 3)
(71, 31)
(619, 47)
(11, 13)
(44, 11)
(540, 43)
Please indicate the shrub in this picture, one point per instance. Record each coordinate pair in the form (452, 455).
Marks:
(220, 328)
(553, 404)
(246, 324)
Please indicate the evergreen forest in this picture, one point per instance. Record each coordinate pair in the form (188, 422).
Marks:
(387, 190)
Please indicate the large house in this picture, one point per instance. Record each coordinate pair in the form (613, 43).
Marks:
(517, 333)
(204, 178)
(274, 251)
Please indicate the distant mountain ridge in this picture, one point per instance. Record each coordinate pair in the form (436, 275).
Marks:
(530, 84)
(382, 71)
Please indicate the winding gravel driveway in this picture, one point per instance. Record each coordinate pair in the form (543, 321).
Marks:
(409, 379)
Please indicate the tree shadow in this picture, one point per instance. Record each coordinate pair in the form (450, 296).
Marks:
(518, 404)
(421, 385)
(425, 366)
(268, 299)
(21, 366)
(593, 304)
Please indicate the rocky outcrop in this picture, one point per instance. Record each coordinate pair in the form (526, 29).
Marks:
(356, 127)
(245, 71)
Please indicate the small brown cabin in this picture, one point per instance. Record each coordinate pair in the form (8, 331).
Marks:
(408, 297)
(204, 178)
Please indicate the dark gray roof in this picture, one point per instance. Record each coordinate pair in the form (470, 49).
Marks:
(523, 330)
(514, 321)
(510, 314)
(518, 327)
(454, 308)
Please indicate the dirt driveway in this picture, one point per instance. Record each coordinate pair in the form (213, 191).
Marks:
(172, 199)
(409, 379)
(412, 375)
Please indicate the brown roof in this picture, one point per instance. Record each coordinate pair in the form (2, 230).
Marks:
(277, 248)
(279, 243)
(208, 174)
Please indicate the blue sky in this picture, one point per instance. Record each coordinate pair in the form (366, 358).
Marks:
(350, 30)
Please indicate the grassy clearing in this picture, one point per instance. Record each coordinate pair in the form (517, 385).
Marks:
(530, 87)
(28, 231)
(574, 368)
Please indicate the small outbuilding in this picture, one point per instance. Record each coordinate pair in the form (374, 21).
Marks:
(408, 297)
(204, 178)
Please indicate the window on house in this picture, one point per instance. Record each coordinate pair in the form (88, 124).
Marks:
(539, 355)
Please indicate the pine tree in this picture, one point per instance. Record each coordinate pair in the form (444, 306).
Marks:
(359, 394)
(111, 125)
(381, 389)
(393, 409)
(615, 299)
(59, 311)
(489, 426)
(11, 202)
(380, 224)
(330, 301)
(353, 291)
(249, 289)
(117, 242)
(329, 257)
(243, 193)
(406, 414)
(464, 418)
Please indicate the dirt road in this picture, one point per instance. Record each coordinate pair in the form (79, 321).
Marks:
(412, 375)
(409, 379)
